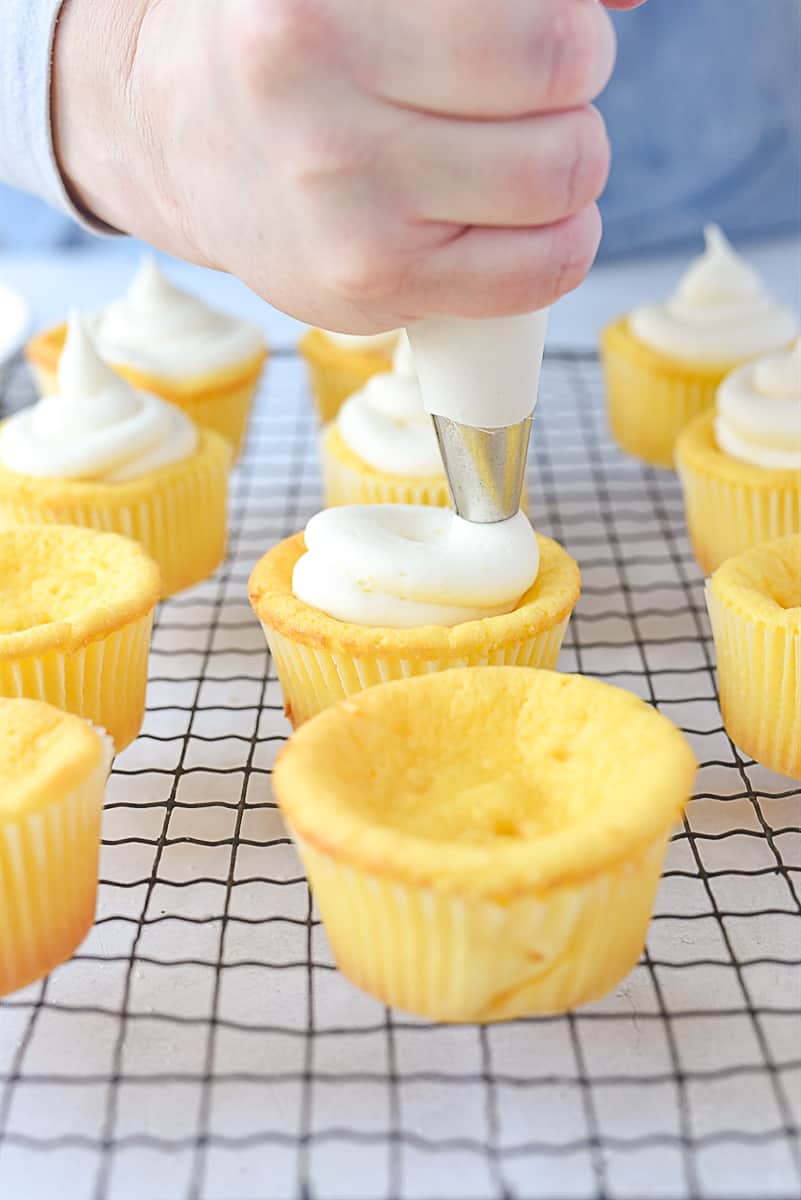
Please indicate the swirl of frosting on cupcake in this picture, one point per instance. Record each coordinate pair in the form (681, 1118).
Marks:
(96, 426)
(720, 312)
(758, 417)
(160, 329)
(407, 565)
(386, 425)
(366, 343)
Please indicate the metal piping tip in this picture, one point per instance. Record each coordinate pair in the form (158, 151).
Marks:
(485, 468)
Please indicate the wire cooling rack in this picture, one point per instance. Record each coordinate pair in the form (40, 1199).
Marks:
(202, 1046)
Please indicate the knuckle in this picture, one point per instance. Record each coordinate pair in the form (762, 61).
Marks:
(574, 50)
(272, 37)
(586, 168)
(362, 273)
(573, 247)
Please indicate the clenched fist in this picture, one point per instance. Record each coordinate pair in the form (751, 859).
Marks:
(358, 164)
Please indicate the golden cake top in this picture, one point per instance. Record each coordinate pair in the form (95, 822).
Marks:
(62, 587)
(764, 582)
(44, 754)
(493, 779)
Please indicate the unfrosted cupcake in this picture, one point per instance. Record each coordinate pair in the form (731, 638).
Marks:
(169, 343)
(341, 363)
(381, 448)
(740, 464)
(380, 592)
(100, 454)
(76, 611)
(754, 603)
(53, 771)
(664, 362)
(485, 844)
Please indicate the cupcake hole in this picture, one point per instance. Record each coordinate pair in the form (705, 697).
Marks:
(786, 591)
(507, 828)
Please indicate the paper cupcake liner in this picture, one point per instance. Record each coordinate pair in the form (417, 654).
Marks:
(181, 521)
(347, 481)
(312, 677)
(104, 681)
(48, 881)
(225, 411)
(759, 679)
(725, 517)
(649, 401)
(336, 373)
(466, 958)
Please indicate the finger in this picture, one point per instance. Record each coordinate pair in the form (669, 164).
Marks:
(498, 272)
(624, 4)
(530, 171)
(477, 59)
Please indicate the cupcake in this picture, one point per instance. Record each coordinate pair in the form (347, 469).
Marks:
(381, 448)
(341, 363)
(740, 464)
(664, 362)
(53, 771)
(485, 844)
(379, 592)
(168, 343)
(754, 603)
(99, 453)
(76, 611)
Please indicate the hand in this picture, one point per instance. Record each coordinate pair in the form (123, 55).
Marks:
(358, 165)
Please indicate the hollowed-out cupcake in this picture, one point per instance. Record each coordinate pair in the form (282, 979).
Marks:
(340, 364)
(169, 343)
(664, 362)
(485, 844)
(740, 463)
(100, 454)
(53, 771)
(381, 592)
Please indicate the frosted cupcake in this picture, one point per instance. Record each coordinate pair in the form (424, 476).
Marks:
(664, 362)
(740, 464)
(341, 363)
(53, 771)
(100, 454)
(381, 448)
(167, 342)
(385, 591)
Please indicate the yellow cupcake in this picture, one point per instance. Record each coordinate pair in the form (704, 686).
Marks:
(76, 611)
(754, 603)
(348, 479)
(321, 660)
(338, 370)
(485, 844)
(53, 771)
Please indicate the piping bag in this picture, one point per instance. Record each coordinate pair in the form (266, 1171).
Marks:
(479, 382)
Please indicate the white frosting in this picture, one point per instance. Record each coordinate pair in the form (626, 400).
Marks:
(406, 565)
(720, 312)
(368, 343)
(758, 415)
(161, 330)
(386, 424)
(96, 426)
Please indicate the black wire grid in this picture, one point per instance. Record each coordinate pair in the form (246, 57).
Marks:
(201, 1044)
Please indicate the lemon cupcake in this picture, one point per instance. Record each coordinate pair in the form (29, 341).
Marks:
(740, 465)
(340, 364)
(381, 448)
(53, 771)
(380, 592)
(76, 611)
(664, 362)
(754, 603)
(485, 844)
(168, 343)
(98, 453)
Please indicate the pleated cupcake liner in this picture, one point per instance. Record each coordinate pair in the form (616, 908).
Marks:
(460, 957)
(226, 410)
(336, 373)
(48, 880)
(346, 483)
(759, 680)
(104, 681)
(313, 677)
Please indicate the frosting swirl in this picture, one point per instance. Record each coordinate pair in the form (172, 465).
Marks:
(162, 330)
(366, 343)
(407, 565)
(386, 424)
(96, 426)
(720, 312)
(758, 418)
